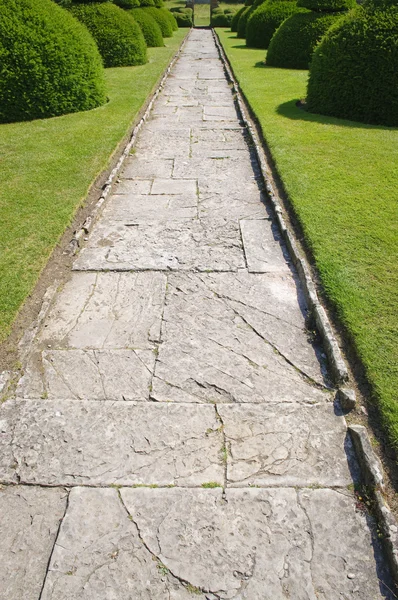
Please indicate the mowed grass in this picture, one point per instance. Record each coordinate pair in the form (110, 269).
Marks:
(342, 181)
(202, 15)
(47, 167)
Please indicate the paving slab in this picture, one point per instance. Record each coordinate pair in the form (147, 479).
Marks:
(29, 522)
(213, 348)
(99, 555)
(287, 445)
(176, 245)
(88, 375)
(265, 251)
(105, 443)
(106, 310)
(261, 544)
(145, 168)
(132, 208)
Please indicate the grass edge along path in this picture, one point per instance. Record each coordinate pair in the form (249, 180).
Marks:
(48, 166)
(341, 183)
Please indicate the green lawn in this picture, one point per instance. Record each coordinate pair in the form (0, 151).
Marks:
(202, 15)
(47, 167)
(342, 181)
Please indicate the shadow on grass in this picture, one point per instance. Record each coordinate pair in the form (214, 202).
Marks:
(290, 110)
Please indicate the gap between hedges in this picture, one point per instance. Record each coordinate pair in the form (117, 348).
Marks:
(48, 167)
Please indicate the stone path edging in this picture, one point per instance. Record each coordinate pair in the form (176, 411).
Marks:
(371, 468)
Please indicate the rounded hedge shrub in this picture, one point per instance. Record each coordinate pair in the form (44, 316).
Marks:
(171, 18)
(241, 32)
(149, 27)
(119, 38)
(159, 3)
(161, 18)
(183, 16)
(293, 43)
(265, 20)
(49, 63)
(327, 5)
(221, 18)
(145, 3)
(127, 3)
(235, 19)
(354, 70)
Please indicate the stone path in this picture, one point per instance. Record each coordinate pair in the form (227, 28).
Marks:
(174, 434)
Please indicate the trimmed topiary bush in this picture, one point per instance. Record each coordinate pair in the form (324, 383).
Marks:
(49, 63)
(145, 3)
(127, 3)
(183, 16)
(293, 43)
(161, 18)
(354, 70)
(266, 19)
(159, 3)
(236, 17)
(149, 27)
(221, 18)
(171, 18)
(119, 38)
(241, 31)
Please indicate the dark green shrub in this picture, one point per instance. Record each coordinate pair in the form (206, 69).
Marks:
(221, 19)
(183, 16)
(145, 3)
(327, 5)
(354, 70)
(49, 63)
(293, 43)
(149, 27)
(171, 18)
(127, 3)
(241, 32)
(64, 3)
(159, 3)
(265, 20)
(119, 38)
(235, 20)
(159, 14)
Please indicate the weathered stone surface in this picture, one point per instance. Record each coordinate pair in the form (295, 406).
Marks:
(106, 310)
(218, 139)
(146, 169)
(104, 443)
(286, 445)
(171, 187)
(212, 167)
(219, 113)
(263, 247)
(132, 209)
(99, 555)
(213, 348)
(88, 375)
(169, 143)
(29, 521)
(231, 207)
(133, 186)
(185, 245)
(260, 544)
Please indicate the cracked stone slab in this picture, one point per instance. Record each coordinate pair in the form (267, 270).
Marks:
(168, 143)
(133, 186)
(145, 168)
(100, 556)
(216, 349)
(231, 207)
(29, 521)
(220, 113)
(261, 544)
(264, 250)
(219, 139)
(176, 245)
(172, 187)
(88, 375)
(104, 443)
(106, 310)
(230, 167)
(140, 208)
(287, 445)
